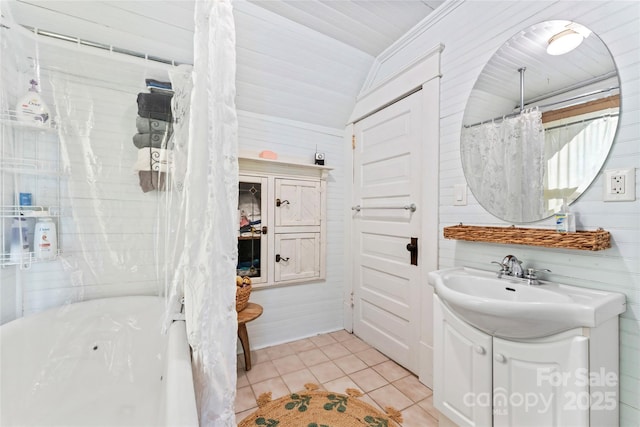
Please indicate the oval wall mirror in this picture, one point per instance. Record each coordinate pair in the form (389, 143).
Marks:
(539, 125)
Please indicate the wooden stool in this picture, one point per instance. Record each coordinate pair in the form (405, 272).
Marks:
(250, 312)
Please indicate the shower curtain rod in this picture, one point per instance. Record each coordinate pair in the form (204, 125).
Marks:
(582, 121)
(102, 46)
(551, 104)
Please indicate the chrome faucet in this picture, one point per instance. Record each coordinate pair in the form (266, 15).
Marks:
(512, 266)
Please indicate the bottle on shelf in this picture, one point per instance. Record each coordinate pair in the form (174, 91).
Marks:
(45, 240)
(19, 241)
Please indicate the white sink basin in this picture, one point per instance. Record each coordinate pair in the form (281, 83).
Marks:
(510, 308)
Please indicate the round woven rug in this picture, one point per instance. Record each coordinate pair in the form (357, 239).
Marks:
(314, 408)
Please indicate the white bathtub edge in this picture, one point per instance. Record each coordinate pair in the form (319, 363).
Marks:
(180, 399)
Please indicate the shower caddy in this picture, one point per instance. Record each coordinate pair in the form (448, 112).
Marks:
(30, 162)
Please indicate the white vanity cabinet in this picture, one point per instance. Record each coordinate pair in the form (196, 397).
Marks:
(566, 379)
(282, 214)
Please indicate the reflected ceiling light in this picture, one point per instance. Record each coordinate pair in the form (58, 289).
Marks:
(563, 42)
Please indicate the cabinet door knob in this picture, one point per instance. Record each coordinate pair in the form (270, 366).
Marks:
(479, 349)
(281, 258)
(499, 358)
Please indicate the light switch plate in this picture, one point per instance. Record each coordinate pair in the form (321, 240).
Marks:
(460, 195)
(620, 185)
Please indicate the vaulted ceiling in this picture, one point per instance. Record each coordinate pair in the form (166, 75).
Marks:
(367, 25)
(304, 60)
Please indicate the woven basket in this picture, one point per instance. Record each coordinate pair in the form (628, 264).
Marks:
(584, 240)
(242, 294)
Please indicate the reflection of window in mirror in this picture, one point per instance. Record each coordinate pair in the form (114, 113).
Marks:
(575, 137)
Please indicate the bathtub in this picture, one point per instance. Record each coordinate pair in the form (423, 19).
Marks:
(96, 363)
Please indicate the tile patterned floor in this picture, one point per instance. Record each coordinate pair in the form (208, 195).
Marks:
(335, 361)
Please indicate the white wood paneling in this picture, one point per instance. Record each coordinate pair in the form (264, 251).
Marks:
(159, 28)
(471, 33)
(109, 241)
(303, 310)
(369, 26)
(284, 69)
(291, 71)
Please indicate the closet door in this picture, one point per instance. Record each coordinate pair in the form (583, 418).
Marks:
(298, 203)
(297, 256)
(252, 228)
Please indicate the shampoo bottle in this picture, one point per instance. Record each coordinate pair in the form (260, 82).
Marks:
(31, 108)
(45, 240)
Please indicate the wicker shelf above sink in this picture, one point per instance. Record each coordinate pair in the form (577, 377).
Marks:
(584, 240)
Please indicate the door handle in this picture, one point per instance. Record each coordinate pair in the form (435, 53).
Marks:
(281, 202)
(413, 248)
(280, 258)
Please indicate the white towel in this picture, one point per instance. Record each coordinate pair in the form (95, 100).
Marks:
(154, 159)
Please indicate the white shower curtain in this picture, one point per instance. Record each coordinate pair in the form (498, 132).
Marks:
(212, 187)
(504, 165)
(572, 152)
(205, 193)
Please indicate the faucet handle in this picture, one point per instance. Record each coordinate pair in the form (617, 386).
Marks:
(504, 268)
(531, 272)
(532, 277)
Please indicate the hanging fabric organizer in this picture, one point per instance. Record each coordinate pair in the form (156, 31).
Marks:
(153, 140)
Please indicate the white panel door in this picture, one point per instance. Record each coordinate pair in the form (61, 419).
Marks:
(541, 384)
(387, 164)
(297, 256)
(298, 203)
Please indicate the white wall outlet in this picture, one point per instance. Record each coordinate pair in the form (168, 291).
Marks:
(620, 185)
(460, 195)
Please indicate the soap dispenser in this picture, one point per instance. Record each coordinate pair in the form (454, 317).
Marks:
(31, 108)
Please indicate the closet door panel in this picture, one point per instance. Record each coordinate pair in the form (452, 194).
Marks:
(297, 256)
(298, 203)
(252, 223)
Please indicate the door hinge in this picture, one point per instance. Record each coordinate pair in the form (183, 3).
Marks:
(353, 142)
(351, 302)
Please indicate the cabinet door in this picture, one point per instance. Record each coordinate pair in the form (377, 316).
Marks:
(462, 369)
(297, 256)
(541, 384)
(298, 203)
(252, 222)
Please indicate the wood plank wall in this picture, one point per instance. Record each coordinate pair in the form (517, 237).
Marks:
(304, 310)
(471, 33)
(108, 231)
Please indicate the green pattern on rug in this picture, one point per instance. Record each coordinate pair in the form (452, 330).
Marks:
(320, 409)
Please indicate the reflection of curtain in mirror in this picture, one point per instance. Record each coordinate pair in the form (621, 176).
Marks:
(570, 151)
(505, 161)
